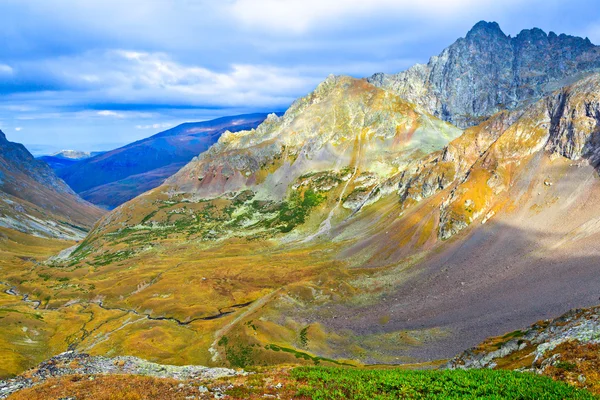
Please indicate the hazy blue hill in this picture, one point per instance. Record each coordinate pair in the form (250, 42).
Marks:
(104, 179)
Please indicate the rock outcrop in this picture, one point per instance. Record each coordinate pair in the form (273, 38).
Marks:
(77, 364)
(488, 71)
(565, 348)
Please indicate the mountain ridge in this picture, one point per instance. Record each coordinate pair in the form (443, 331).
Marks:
(487, 71)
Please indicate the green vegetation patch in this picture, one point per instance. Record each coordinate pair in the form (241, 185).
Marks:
(321, 383)
(294, 211)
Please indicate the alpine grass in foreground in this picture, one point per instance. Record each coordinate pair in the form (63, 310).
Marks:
(322, 383)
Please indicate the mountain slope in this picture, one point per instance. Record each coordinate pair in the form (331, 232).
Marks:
(487, 71)
(337, 144)
(96, 178)
(565, 348)
(34, 200)
(58, 163)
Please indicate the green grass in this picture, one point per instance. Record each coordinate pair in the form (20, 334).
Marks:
(321, 383)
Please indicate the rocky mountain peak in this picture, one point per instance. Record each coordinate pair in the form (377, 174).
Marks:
(484, 29)
(487, 71)
(532, 34)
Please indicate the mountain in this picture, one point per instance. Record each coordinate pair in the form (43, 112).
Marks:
(117, 176)
(488, 71)
(76, 154)
(58, 163)
(67, 158)
(372, 226)
(34, 200)
(357, 228)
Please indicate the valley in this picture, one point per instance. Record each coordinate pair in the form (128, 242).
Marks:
(379, 222)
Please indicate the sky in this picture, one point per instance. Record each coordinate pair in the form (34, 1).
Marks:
(97, 74)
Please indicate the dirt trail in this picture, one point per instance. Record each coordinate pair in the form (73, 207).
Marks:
(221, 332)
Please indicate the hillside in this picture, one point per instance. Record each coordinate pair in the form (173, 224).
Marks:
(564, 348)
(114, 177)
(34, 200)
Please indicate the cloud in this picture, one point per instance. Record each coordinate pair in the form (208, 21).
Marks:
(108, 113)
(154, 126)
(18, 129)
(135, 77)
(113, 69)
(6, 69)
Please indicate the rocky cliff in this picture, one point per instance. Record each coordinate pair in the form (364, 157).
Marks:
(488, 71)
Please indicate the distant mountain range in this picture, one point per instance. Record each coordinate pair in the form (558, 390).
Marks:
(34, 200)
(67, 158)
(114, 177)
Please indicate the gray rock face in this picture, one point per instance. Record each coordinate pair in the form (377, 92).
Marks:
(488, 71)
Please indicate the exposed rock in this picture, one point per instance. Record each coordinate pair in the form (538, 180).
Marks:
(488, 71)
(579, 326)
(565, 123)
(71, 363)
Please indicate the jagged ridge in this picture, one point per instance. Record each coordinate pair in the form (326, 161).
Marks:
(488, 71)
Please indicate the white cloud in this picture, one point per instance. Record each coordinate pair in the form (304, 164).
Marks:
(108, 113)
(6, 69)
(154, 126)
(137, 77)
(18, 129)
